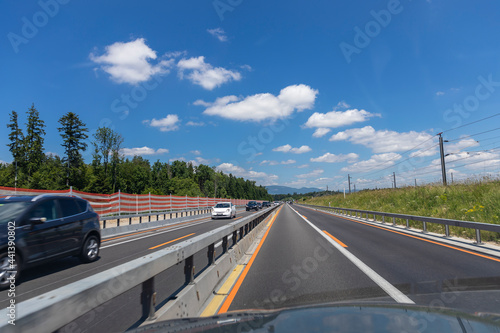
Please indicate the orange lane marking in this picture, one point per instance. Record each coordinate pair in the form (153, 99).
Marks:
(335, 239)
(154, 247)
(416, 237)
(234, 291)
(149, 230)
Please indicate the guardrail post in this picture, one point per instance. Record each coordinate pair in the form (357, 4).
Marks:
(447, 230)
(148, 299)
(478, 237)
(119, 203)
(407, 224)
(393, 221)
(241, 232)
(104, 224)
(189, 270)
(211, 254)
(383, 218)
(235, 237)
(425, 227)
(224, 244)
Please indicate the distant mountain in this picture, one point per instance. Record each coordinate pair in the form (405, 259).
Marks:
(275, 189)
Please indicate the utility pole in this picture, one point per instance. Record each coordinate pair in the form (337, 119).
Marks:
(415, 182)
(441, 150)
(354, 188)
(394, 176)
(349, 182)
(452, 177)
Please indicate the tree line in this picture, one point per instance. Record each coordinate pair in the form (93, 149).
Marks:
(109, 170)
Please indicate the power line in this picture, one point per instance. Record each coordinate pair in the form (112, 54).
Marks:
(468, 136)
(474, 122)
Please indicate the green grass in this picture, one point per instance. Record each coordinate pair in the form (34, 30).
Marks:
(473, 200)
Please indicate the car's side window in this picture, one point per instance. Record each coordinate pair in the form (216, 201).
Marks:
(69, 207)
(47, 209)
(82, 204)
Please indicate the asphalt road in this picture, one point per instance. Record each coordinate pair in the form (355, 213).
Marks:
(296, 265)
(125, 311)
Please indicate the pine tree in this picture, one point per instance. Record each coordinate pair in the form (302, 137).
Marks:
(33, 141)
(16, 146)
(73, 132)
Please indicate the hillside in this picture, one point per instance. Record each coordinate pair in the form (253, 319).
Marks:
(275, 189)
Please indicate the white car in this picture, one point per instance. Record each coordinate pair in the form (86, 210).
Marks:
(224, 209)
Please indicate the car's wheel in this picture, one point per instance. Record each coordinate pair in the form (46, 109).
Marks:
(90, 249)
(9, 270)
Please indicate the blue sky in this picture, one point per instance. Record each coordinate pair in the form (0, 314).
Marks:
(282, 92)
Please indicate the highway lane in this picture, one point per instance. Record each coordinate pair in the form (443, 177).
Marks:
(114, 251)
(295, 266)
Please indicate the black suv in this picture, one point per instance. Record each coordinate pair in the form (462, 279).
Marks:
(252, 205)
(266, 204)
(37, 229)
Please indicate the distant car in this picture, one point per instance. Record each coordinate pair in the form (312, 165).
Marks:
(266, 204)
(224, 209)
(259, 204)
(38, 229)
(252, 205)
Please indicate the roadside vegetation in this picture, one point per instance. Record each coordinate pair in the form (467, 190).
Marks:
(31, 167)
(476, 200)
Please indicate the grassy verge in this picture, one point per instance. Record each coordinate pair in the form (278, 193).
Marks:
(477, 201)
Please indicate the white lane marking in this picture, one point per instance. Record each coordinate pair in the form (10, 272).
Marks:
(392, 291)
(157, 233)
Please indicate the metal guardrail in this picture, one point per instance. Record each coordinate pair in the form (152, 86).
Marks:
(55, 309)
(478, 226)
(172, 214)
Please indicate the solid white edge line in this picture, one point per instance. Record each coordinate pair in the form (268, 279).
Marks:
(392, 291)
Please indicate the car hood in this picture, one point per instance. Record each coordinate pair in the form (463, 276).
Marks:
(360, 317)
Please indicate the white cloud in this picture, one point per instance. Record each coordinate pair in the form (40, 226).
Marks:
(193, 123)
(131, 62)
(289, 149)
(335, 119)
(278, 163)
(142, 151)
(315, 173)
(263, 106)
(440, 93)
(167, 124)
(205, 75)
(218, 33)
(376, 162)
(49, 153)
(196, 152)
(3, 162)
(319, 132)
(261, 177)
(246, 67)
(302, 166)
(452, 148)
(332, 158)
(382, 141)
